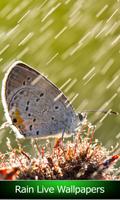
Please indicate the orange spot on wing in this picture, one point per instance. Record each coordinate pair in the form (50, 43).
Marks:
(20, 120)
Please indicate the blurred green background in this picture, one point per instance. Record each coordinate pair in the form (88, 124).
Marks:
(76, 40)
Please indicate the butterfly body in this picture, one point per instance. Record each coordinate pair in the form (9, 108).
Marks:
(34, 106)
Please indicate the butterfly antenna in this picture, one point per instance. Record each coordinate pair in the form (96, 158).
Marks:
(103, 111)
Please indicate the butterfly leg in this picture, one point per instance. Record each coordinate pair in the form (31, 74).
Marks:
(63, 132)
(35, 145)
(4, 125)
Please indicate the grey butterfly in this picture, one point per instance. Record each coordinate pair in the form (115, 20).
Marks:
(34, 106)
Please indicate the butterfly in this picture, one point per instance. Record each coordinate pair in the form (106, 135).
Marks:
(34, 106)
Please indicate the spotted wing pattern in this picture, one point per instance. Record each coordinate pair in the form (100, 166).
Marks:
(35, 105)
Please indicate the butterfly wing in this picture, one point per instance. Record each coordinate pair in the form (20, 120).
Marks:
(34, 105)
